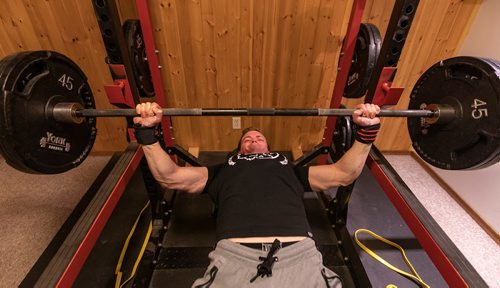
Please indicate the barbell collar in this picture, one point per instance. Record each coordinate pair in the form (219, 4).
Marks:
(66, 112)
(442, 113)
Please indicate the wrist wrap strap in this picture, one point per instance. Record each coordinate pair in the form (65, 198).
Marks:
(367, 134)
(145, 135)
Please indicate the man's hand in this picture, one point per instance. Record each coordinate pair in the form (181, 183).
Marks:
(151, 114)
(366, 115)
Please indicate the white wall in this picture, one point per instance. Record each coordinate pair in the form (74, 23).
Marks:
(480, 189)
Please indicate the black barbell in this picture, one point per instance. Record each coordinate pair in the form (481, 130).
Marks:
(48, 115)
(74, 112)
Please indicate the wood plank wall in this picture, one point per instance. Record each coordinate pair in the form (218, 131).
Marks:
(248, 54)
(238, 54)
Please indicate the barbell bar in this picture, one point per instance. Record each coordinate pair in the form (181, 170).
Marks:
(74, 112)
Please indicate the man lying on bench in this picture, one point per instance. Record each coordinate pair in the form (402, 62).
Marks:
(264, 239)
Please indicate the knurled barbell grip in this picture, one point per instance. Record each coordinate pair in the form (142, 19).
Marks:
(62, 111)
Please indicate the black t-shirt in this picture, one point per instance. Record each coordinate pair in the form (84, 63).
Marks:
(259, 195)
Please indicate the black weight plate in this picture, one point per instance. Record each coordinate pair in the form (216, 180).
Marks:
(343, 137)
(31, 140)
(137, 51)
(496, 158)
(364, 60)
(471, 141)
(5, 68)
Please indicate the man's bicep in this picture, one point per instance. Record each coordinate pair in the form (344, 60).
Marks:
(323, 177)
(315, 178)
(191, 179)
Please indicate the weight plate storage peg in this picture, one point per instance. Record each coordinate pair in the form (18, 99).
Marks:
(472, 87)
(30, 139)
(137, 50)
(364, 60)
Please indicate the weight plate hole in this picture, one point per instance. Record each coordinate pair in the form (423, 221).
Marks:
(104, 18)
(409, 9)
(404, 23)
(99, 3)
(111, 47)
(33, 70)
(399, 36)
(395, 50)
(108, 32)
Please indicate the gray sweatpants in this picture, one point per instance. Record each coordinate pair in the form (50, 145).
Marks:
(299, 265)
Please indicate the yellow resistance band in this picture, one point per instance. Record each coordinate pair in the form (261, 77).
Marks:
(414, 276)
(118, 272)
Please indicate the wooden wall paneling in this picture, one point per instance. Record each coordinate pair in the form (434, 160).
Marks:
(204, 82)
(314, 64)
(126, 9)
(208, 49)
(70, 29)
(22, 24)
(166, 20)
(189, 36)
(269, 55)
(314, 35)
(338, 23)
(458, 14)
(468, 12)
(245, 52)
(290, 22)
(209, 93)
(322, 70)
(334, 17)
(292, 134)
(227, 60)
(378, 12)
(305, 58)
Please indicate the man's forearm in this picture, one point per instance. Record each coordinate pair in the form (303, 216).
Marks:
(354, 159)
(159, 162)
(343, 172)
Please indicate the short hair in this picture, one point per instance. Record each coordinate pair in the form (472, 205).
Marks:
(245, 131)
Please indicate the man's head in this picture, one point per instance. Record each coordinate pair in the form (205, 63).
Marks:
(252, 141)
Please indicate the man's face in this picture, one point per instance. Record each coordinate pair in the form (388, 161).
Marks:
(253, 142)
